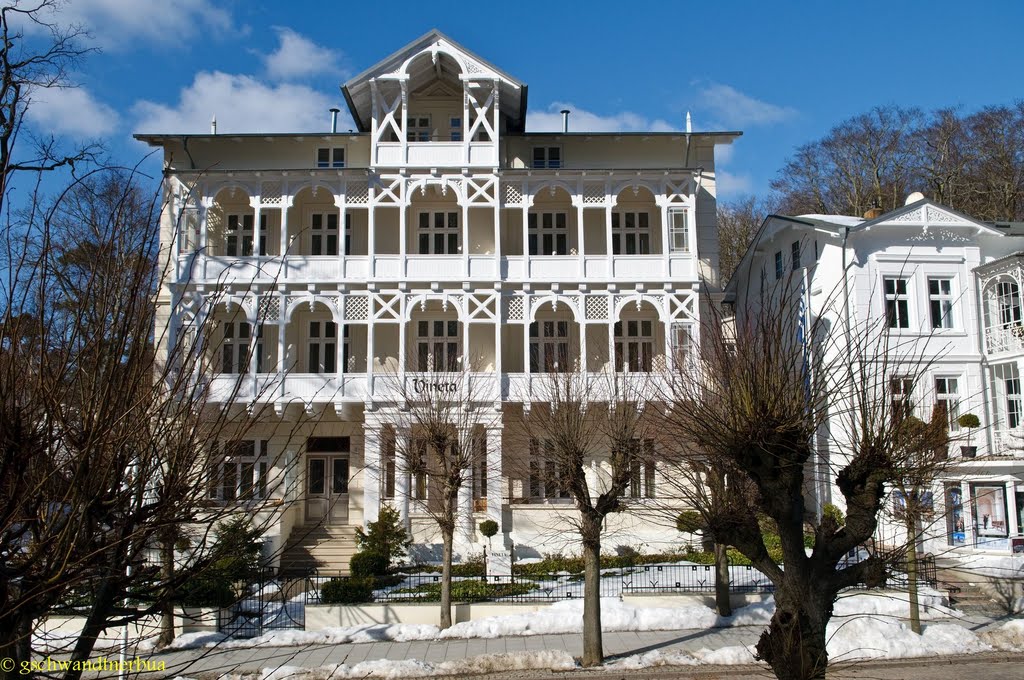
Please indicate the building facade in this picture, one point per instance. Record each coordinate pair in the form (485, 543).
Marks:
(946, 290)
(437, 242)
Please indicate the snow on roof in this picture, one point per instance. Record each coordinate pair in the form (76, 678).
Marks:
(842, 220)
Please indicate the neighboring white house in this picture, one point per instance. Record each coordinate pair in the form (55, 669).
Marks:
(440, 234)
(948, 289)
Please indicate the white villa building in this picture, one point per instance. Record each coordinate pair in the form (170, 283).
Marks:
(948, 288)
(438, 235)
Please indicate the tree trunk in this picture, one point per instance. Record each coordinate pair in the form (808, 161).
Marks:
(95, 623)
(447, 537)
(794, 644)
(915, 608)
(593, 647)
(167, 608)
(15, 644)
(722, 601)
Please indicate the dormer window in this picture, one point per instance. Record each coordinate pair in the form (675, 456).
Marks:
(547, 156)
(330, 157)
(419, 129)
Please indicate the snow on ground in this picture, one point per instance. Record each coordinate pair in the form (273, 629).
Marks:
(567, 617)
(555, 660)
(1009, 636)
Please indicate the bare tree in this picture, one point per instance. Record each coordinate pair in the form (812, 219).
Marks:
(439, 444)
(26, 68)
(760, 402)
(578, 420)
(738, 222)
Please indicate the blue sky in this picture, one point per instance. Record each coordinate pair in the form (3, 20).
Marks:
(782, 72)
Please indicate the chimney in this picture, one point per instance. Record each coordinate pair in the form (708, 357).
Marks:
(873, 213)
(565, 120)
(334, 119)
(213, 125)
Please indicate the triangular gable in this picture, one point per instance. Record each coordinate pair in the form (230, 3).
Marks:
(457, 62)
(928, 216)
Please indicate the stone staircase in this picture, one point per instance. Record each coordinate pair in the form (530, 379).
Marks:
(971, 598)
(325, 548)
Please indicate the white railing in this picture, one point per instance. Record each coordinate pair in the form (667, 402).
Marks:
(437, 154)
(1003, 339)
(309, 268)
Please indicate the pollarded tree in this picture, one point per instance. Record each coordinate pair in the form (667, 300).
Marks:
(757, 402)
(439, 444)
(577, 420)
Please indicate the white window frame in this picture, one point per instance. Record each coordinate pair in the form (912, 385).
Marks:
(455, 128)
(419, 128)
(547, 162)
(901, 396)
(679, 234)
(239, 471)
(236, 344)
(549, 346)
(323, 226)
(323, 335)
(548, 233)
(899, 317)
(1008, 301)
(947, 398)
(240, 236)
(634, 345)
(794, 255)
(542, 483)
(438, 341)
(780, 265)
(330, 157)
(435, 225)
(944, 299)
(623, 232)
(682, 342)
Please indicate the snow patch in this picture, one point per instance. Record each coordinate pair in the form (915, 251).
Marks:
(1009, 636)
(878, 637)
(554, 660)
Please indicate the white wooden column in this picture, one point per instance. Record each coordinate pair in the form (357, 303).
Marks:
(464, 524)
(608, 232)
(665, 244)
(403, 440)
(526, 234)
(371, 471)
(283, 367)
(579, 231)
(495, 475)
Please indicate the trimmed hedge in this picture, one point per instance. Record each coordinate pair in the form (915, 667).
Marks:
(364, 564)
(354, 590)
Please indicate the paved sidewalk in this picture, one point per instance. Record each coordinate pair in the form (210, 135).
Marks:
(214, 661)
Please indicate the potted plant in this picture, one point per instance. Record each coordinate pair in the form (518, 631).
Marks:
(969, 421)
(488, 528)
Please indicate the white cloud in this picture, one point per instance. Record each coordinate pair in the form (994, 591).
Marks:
(242, 104)
(70, 111)
(732, 185)
(739, 110)
(113, 23)
(297, 57)
(581, 120)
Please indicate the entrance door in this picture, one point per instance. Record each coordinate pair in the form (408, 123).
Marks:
(327, 489)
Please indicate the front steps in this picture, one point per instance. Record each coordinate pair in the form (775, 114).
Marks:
(324, 548)
(971, 598)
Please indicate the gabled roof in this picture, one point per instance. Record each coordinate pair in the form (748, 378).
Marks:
(447, 61)
(926, 214)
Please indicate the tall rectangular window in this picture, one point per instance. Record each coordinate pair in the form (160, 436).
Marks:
(682, 342)
(1013, 402)
(240, 239)
(438, 233)
(437, 346)
(779, 266)
(548, 233)
(1009, 303)
(239, 470)
(631, 234)
(323, 347)
(678, 231)
(236, 346)
(795, 254)
(547, 156)
(544, 479)
(455, 129)
(323, 233)
(634, 345)
(897, 310)
(940, 302)
(641, 469)
(900, 391)
(549, 346)
(418, 129)
(947, 400)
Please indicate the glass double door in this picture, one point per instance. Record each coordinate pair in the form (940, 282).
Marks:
(327, 489)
